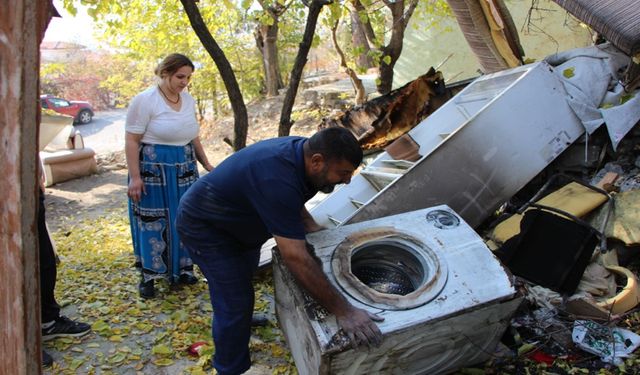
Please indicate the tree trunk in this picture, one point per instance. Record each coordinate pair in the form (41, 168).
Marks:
(200, 105)
(241, 120)
(400, 19)
(359, 40)
(355, 80)
(22, 26)
(301, 59)
(269, 36)
(367, 29)
(215, 105)
(257, 35)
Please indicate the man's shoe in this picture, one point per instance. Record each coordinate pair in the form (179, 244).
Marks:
(147, 290)
(259, 320)
(47, 360)
(185, 278)
(65, 327)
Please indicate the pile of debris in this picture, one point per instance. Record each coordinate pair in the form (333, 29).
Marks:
(559, 141)
(575, 254)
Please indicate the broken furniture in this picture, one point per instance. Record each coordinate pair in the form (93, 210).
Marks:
(554, 246)
(574, 198)
(579, 200)
(477, 151)
(618, 21)
(379, 121)
(63, 155)
(445, 298)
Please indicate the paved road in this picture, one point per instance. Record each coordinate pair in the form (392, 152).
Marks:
(105, 133)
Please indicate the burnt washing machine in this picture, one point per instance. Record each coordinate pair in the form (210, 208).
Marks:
(445, 298)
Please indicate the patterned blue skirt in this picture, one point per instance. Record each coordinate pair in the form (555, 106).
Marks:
(167, 173)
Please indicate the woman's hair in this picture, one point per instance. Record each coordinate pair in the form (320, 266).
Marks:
(335, 143)
(172, 63)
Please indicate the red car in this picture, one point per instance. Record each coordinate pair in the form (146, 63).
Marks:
(81, 112)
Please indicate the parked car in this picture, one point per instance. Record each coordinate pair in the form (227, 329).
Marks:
(81, 111)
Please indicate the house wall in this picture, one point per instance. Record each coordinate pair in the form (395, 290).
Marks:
(62, 52)
(551, 30)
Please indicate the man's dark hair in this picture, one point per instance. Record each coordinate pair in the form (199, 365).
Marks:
(336, 143)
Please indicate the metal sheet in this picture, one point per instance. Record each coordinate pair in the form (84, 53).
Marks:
(479, 149)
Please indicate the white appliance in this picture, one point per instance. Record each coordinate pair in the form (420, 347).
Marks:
(477, 151)
(445, 298)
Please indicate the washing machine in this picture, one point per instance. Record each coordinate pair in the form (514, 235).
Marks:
(445, 297)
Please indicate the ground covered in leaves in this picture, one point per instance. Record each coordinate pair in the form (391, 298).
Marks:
(97, 284)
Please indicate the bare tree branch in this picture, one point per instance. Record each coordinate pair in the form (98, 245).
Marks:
(355, 80)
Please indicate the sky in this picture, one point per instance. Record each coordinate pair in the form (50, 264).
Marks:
(78, 29)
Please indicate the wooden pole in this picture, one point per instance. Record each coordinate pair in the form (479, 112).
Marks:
(22, 25)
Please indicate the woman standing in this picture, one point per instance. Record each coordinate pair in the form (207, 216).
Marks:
(162, 146)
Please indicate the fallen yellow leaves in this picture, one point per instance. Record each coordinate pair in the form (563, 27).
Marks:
(97, 283)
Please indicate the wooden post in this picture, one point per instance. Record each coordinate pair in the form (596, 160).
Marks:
(22, 25)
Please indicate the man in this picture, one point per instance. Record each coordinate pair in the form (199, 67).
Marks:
(256, 193)
(53, 324)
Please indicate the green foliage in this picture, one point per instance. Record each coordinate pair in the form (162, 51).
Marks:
(126, 79)
(429, 13)
(52, 69)
(104, 79)
(378, 16)
(147, 30)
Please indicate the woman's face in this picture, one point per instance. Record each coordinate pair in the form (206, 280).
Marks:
(177, 81)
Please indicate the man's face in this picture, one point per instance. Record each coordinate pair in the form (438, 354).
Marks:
(331, 173)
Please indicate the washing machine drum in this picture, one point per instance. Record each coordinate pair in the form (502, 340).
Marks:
(388, 269)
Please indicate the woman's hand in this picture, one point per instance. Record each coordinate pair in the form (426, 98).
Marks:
(136, 189)
(208, 167)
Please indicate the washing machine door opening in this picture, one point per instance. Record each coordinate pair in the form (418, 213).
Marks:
(388, 269)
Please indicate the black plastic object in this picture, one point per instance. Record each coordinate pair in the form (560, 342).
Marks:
(550, 250)
(553, 247)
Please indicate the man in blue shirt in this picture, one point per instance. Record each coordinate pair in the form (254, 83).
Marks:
(256, 193)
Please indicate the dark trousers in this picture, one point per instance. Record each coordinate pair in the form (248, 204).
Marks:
(229, 270)
(49, 307)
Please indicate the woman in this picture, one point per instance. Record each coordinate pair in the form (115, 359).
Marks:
(161, 146)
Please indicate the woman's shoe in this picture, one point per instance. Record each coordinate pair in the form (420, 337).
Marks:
(185, 278)
(147, 289)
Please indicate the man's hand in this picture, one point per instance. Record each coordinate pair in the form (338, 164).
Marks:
(314, 227)
(358, 324)
(360, 327)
